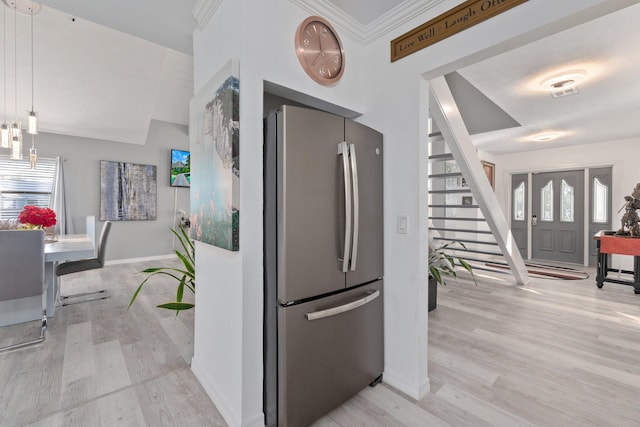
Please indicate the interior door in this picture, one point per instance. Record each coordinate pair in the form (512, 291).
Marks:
(310, 210)
(558, 216)
(368, 248)
(520, 211)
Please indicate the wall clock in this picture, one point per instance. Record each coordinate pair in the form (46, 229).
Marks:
(320, 50)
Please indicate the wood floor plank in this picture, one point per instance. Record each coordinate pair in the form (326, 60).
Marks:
(552, 353)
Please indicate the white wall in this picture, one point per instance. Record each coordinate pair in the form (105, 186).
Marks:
(128, 239)
(393, 99)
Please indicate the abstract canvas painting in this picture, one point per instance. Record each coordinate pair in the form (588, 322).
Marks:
(128, 191)
(214, 135)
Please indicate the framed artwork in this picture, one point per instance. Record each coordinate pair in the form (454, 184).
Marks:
(128, 191)
(490, 170)
(214, 137)
(180, 168)
(467, 200)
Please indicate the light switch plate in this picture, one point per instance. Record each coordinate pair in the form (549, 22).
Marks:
(403, 224)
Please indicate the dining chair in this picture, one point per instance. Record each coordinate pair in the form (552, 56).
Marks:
(69, 267)
(22, 273)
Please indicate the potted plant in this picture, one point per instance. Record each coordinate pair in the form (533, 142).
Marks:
(186, 277)
(442, 264)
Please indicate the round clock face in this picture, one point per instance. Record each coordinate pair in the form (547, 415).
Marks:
(319, 50)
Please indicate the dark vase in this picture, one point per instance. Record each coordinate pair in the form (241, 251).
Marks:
(433, 293)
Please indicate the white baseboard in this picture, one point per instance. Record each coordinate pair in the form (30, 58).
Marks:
(142, 259)
(217, 397)
(255, 421)
(412, 391)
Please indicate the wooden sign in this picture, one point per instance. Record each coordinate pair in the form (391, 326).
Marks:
(453, 21)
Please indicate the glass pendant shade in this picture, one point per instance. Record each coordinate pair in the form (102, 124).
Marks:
(32, 125)
(4, 134)
(16, 129)
(33, 156)
(16, 147)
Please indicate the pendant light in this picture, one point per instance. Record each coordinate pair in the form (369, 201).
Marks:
(16, 126)
(11, 134)
(32, 124)
(4, 128)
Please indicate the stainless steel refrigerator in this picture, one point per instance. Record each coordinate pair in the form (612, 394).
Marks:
(323, 246)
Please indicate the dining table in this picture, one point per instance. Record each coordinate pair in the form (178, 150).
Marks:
(67, 247)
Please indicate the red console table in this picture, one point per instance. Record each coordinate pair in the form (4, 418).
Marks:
(608, 244)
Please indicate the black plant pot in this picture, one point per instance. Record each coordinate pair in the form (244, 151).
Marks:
(433, 293)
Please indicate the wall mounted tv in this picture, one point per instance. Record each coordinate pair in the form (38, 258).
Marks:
(180, 168)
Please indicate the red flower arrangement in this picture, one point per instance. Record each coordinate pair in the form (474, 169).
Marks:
(36, 217)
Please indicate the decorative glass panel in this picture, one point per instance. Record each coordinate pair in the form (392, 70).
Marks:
(518, 202)
(567, 202)
(600, 202)
(546, 198)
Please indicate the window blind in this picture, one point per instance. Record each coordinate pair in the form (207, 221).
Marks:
(20, 185)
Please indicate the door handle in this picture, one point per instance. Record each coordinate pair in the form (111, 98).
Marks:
(534, 220)
(356, 206)
(315, 315)
(343, 150)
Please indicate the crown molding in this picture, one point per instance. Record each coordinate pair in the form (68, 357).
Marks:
(204, 10)
(367, 33)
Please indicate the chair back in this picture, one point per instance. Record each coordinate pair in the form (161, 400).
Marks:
(21, 264)
(102, 246)
(91, 231)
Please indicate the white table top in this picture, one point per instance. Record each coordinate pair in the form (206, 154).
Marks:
(69, 247)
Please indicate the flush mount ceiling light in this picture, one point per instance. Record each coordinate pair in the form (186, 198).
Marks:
(547, 136)
(563, 83)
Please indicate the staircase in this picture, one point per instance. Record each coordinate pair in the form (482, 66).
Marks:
(462, 205)
(454, 214)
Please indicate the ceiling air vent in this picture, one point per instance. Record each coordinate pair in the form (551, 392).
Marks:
(565, 92)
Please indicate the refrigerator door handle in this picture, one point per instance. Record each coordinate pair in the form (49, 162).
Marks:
(343, 150)
(356, 205)
(315, 315)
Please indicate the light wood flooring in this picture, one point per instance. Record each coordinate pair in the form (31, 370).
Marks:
(553, 353)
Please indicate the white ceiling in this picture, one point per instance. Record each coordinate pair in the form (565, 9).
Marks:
(607, 105)
(105, 69)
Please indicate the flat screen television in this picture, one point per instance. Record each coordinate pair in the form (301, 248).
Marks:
(180, 168)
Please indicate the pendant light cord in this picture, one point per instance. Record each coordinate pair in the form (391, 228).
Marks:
(15, 51)
(4, 59)
(32, 62)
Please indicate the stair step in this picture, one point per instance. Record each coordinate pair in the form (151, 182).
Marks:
(446, 175)
(473, 251)
(440, 157)
(455, 206)
(454, 218)
(479, 242)
(455, 191)
(460, 230)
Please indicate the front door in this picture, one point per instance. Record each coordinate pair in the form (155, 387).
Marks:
(558, 216)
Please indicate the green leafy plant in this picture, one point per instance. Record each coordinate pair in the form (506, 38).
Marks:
(186, 277)
(442, 263)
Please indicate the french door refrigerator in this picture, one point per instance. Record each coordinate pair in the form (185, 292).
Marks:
(323, 335)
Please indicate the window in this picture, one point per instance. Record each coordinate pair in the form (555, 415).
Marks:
(20, 185)
(546, 196)
(518, 202)
(567, 202)
(600, 201)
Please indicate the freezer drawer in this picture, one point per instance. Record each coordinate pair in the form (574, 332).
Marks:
(327, 354)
